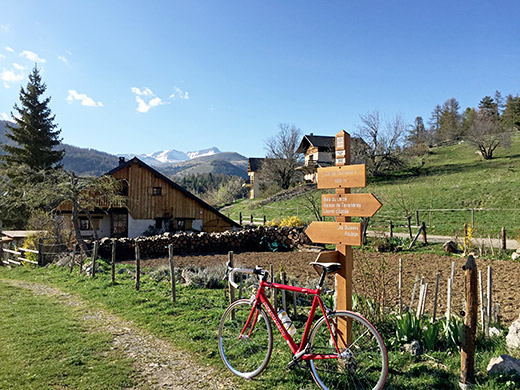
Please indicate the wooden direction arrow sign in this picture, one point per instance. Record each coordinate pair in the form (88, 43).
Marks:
(349, 205)
(346, 176)
(345, 233)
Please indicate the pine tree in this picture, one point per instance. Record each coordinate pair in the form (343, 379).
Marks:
(35, 135)
(511, 115)
(450, 121)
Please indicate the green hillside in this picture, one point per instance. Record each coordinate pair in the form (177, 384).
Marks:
(451, 177)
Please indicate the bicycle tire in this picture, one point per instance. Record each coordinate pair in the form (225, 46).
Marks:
(248, 356)
(363, 364)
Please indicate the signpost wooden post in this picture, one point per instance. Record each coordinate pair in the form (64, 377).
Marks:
(343, 205)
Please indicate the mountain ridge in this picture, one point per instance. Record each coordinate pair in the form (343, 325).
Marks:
(92, 162)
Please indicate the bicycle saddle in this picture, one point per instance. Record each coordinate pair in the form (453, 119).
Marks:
(328, 268)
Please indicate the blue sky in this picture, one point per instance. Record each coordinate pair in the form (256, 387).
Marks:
(143, 76)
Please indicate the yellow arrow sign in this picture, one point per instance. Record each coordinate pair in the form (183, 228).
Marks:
(349, 205)
(343, 233)
(346, 176)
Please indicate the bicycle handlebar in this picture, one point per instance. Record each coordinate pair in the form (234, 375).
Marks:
(256, 271)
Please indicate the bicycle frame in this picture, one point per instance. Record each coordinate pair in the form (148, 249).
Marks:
(262, 300)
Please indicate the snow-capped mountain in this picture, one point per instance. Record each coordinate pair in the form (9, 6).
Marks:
(172, 156)
(203, 152)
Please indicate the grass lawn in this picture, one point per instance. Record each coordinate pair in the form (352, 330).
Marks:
(45, 346)
(450, 177)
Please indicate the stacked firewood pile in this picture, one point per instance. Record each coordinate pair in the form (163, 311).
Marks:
(253, 239)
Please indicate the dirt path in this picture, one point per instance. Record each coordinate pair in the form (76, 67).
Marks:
(161, 365)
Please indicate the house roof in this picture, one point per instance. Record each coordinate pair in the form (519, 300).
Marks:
(254, 164)
(319, 141)
(21, 233)
(135, 160)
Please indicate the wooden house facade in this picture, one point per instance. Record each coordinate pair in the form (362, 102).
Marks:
(153, 201)
(319, 152)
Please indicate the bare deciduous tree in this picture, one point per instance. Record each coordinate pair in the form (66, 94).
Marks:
(282, 159)
(487, 134)
(384, 138)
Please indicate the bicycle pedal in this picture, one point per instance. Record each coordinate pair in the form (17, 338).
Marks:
(295, 364)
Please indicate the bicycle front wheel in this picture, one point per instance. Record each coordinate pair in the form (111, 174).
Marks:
(245, 352)
(362, 362)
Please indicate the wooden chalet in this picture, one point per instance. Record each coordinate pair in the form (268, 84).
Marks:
(253, 169)
(319, 152)
(152, 200)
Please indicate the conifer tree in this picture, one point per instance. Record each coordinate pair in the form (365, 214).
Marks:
(35, 135)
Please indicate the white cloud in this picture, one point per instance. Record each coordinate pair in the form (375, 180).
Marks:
(177, 92)
(9, 76)
(32, 56)
(2, 56)
(144, 92)
(18, 66)
(63, 59)
(9, 49)
(146, 99)
(83, 98)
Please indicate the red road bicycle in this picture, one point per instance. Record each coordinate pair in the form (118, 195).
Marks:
(245, 338)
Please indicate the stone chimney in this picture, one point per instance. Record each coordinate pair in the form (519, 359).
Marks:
(121, 160)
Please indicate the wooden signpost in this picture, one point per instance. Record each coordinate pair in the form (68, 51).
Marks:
(349, 205)
(343, 232)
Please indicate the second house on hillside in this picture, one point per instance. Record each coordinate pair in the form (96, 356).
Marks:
(153, 203)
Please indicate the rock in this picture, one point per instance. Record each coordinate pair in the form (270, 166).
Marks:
(515, 255)
(450, 247)
(121, 271)
(513, 337)
(504, 364)
(493, 332)
(414, 348)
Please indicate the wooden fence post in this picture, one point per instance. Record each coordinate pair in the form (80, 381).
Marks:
(113, 270)
(137, 266)
(172, 271)
(231, 288)
(40, 252)
(448, 301)
(489, 295)
(481, 296)
(265, 220)
(273, 291)
(467, 354)
(240, 218)
(504, 241)
(251, 219)
(424, 240)
(416, 217)
(434, 317)
(284, 300)
(413, 292)
(294, 300)
(400, 286)
(94, 257)
(73, 259)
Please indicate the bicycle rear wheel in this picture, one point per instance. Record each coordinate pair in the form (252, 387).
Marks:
(361, 364)
(245, 356)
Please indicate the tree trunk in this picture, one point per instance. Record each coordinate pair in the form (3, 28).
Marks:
(77, 230)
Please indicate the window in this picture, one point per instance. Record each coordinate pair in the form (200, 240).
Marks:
(156, 191)
(84, 224)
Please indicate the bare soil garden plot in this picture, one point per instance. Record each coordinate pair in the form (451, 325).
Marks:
(373, 269)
